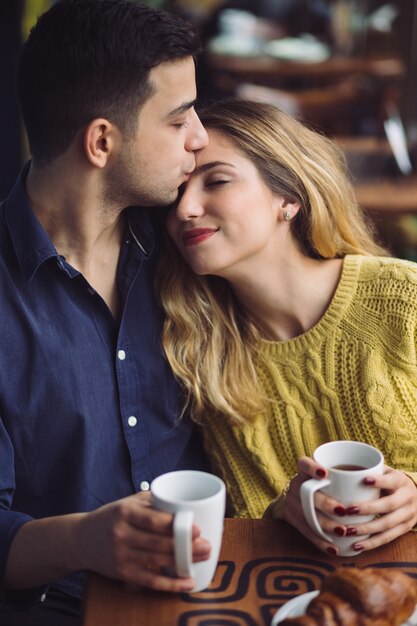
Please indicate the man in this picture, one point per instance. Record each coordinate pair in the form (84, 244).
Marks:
(88, 407)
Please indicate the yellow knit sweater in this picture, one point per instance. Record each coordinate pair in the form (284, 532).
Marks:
(352, 376)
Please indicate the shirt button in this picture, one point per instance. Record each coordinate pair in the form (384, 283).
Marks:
(43, 597)
(144, 485)
(132, 421)
(121, 355)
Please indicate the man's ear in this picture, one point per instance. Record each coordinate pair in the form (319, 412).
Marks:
(100, 139)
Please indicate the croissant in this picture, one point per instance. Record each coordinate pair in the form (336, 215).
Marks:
(360, 597)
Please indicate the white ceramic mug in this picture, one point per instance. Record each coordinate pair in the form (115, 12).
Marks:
(347, 463)
(194, 498)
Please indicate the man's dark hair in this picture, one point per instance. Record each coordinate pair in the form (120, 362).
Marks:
(91, 58)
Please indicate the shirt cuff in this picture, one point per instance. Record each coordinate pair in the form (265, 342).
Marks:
(10, 523)
(23, 599)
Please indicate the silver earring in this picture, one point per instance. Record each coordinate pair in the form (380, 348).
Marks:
(287, 216)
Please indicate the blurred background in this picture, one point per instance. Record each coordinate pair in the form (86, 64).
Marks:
(347, 68)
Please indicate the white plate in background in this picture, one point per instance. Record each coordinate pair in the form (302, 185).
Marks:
(306, 49)
(294, 608)
(298, 606)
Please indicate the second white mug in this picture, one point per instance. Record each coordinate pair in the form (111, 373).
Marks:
(193, 497)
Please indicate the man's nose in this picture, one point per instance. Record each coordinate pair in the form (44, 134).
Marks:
(198, 137)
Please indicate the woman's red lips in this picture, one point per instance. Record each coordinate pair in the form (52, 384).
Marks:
(197, 235)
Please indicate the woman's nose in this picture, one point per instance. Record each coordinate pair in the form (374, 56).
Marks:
(189, 206)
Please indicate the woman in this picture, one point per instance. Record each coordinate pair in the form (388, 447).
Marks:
(286, 325)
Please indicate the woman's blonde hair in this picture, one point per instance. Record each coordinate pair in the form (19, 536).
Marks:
(210, 341)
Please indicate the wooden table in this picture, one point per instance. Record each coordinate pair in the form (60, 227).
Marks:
(263, 563)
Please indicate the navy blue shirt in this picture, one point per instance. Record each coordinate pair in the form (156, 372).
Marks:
(88, 407)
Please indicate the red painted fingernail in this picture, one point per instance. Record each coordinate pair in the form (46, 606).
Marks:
(339, 531)
(320, 473)
(358, 547)
(352, 510)
(368, 480)
(339, 510)
(331, 551)
(350, 532)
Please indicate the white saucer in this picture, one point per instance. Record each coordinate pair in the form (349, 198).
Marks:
(297, 606)
(294, 608)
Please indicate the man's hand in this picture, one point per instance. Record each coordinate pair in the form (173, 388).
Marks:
(131, 541)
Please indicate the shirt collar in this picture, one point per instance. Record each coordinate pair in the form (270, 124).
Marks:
(141, 228)
(31, 242)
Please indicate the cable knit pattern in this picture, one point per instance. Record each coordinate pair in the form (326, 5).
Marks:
(352, 376)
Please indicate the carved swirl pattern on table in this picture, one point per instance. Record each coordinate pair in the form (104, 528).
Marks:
(277, 580)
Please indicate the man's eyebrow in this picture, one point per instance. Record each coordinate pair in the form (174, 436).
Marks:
(182, 109)
(205, 167)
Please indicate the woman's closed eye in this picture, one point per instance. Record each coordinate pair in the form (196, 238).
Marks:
(219, 181)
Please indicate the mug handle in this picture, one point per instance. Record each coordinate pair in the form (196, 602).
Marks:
(183, 523)
(307, 491)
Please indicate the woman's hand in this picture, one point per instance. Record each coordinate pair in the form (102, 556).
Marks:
(396, 509)
(293, 512)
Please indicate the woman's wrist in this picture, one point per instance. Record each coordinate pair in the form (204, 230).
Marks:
(276, 509)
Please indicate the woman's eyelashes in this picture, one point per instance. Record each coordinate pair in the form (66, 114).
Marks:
(220, 181)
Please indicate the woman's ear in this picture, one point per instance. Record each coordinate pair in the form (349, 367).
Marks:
(289, 209)
(100, 139)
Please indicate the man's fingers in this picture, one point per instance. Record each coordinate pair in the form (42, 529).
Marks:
(140, 514)
(158, 580)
